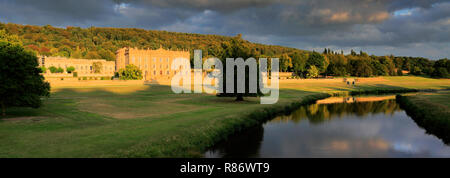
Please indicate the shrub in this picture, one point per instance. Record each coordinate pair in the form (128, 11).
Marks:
(60, 70)
(131, 72)
(44, 69)
(53, 69)
(70, 69)
(75, 74)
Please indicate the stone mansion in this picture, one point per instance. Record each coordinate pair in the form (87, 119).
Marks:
(155, 64)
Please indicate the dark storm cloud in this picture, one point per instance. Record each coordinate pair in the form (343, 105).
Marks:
(56, 12)
(216, 5)
(383, 25)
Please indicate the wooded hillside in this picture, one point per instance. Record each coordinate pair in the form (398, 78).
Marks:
(95, 42)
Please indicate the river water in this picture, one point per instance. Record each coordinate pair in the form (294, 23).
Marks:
(365, 126)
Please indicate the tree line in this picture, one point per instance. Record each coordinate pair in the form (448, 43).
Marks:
(102, 43)
(332, 63)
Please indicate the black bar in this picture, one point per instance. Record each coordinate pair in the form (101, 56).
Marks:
(172, 167)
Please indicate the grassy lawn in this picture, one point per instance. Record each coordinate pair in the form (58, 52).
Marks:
(151, 121)
(430, 111)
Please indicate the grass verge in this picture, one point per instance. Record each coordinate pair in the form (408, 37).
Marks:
(433, 116)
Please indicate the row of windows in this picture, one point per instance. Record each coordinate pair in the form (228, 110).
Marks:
(105, 68)
(133, 60)
(154, 66)
(166, 72)
(77, 67)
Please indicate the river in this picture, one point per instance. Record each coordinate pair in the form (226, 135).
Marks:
(360, 126)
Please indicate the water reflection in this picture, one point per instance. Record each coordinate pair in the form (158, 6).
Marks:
(318, 113)
(337, 127)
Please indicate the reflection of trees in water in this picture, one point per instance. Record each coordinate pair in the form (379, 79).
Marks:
(317, 113)
(244, 144)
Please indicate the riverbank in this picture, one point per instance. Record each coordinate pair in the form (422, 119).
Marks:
(430, 111)
(151, 121)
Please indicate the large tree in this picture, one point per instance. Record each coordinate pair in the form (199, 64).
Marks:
(237, 48)
(21, 84)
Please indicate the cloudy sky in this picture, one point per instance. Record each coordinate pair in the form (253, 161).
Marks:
(381, 27)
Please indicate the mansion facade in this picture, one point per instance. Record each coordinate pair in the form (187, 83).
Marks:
(155, 64)
(83, 67)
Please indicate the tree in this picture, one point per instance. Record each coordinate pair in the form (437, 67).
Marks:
(77, 54)
(416, 71)
(286, 62)
(318, 60)
(362, 68)
(107, 55)
(299, 63)
(441, 68)
(97, 67)
(379, 69)
(313, 72)
(21, 84)
(14, 39)
(131, 72)
(389, 63)
(237, 48)
(337, 65)
(440, 73)
(65, 51)
(92, 55)
(363, 54)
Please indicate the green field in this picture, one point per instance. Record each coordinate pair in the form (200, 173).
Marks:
(151, 121)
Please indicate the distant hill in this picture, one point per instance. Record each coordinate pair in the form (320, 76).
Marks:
(95, 42)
